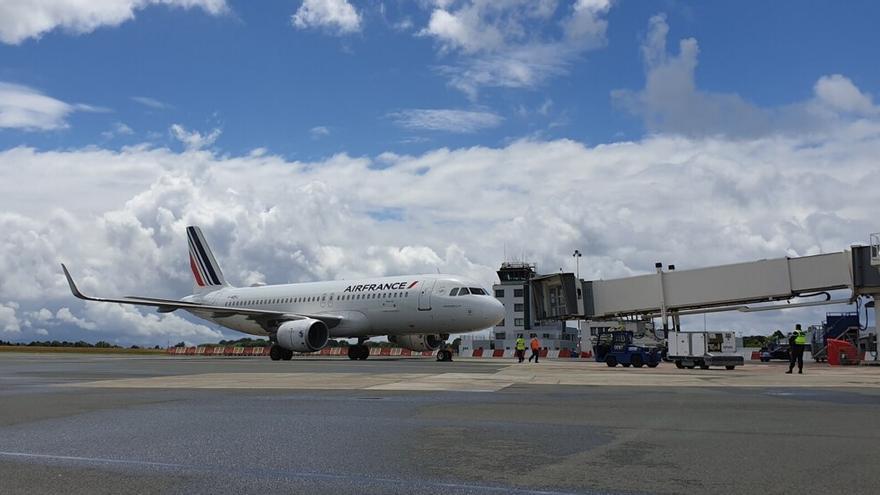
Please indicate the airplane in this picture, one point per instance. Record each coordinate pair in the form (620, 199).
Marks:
(417, 312)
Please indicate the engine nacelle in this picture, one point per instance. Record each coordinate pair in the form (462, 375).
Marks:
(306, 335)
(419, 342)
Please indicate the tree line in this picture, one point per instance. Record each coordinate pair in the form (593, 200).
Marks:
(101, 344)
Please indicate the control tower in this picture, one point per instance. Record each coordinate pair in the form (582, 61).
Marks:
(514, 291)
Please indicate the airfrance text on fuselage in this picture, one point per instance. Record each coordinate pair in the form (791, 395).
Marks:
(375, 287)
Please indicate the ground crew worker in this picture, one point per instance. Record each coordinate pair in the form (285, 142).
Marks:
(520, 348)
(796, 344)
(536, 349)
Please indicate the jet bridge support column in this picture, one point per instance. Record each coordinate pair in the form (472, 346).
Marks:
(663, 314)
(876, 330)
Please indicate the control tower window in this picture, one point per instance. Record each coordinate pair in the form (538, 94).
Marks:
(517, 292)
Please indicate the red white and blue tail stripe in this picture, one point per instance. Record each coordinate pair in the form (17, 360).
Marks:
(205, 269)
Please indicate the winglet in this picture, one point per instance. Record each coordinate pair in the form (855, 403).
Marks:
(70, 282)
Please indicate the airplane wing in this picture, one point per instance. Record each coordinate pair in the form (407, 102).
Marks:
(263, 316)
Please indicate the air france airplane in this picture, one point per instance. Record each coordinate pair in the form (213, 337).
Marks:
(417, 312)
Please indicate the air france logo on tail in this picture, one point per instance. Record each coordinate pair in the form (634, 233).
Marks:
(204, 267)
(375, 287)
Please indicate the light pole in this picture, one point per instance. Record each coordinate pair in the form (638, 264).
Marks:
(577, 274)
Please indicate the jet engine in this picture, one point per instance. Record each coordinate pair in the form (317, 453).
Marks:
(419, 342)
(306, 335)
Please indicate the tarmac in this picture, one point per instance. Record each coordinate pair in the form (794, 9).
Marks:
(154, 424)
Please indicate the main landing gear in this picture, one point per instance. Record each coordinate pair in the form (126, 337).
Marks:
(278, 353)
(444, 355)
(359, 351)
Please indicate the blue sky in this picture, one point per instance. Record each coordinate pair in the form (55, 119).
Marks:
(327, 139)
(265, 83)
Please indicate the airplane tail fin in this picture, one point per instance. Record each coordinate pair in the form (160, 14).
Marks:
(205, 269)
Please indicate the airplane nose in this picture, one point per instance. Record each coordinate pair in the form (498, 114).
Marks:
(495, 312)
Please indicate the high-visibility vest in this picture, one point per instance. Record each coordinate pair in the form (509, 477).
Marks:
(800, 338)
(520, 344)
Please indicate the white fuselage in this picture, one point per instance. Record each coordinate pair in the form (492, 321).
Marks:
(409, 304)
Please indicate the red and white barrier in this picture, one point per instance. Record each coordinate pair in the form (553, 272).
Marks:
(264, 351)
(511, 354)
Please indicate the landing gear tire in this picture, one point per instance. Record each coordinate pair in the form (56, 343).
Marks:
(287, 356)
(358, 352)
(611, 361)
(276, 352)
(444, 355)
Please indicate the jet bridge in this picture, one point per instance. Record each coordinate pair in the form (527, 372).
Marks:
(719, 288)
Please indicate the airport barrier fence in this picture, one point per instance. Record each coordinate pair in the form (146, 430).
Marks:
(374, 351)
(264, 351)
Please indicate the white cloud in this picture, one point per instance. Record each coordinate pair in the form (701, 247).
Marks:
(22, 107)
(507, 44)
(671, 100)
(448, 120)
(194, 140)
(840, 94)
(338, 16)
(319, 132)
(117, 129)
(151, 102)
(23, 19)
(64, 315)
(8, 321)
(273, 220)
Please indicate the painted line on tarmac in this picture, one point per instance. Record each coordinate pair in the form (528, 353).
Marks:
(295, 474)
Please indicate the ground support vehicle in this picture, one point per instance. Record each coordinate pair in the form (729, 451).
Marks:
(616, 347)
(703, 349)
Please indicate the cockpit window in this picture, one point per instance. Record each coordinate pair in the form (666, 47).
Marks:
(463, 291)
(478, 291)
(453, 292)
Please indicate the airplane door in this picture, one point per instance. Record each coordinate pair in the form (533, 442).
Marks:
(425, 295)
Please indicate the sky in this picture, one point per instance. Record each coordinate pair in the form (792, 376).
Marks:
(333, 139)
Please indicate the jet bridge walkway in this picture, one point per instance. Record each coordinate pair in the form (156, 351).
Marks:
(719, 288)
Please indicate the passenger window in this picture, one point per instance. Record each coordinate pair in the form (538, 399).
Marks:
(463, 291)
(454, 292)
